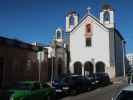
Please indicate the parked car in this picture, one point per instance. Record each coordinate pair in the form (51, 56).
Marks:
(99, 79)
(92, 80)
(102, 79)
(72, 84)
(29, 90)
(125, 94)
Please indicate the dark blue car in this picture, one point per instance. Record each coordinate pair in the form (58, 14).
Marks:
(99, 79)
(72, 84)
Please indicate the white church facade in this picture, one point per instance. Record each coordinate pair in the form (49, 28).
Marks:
(95, 44)
(92, 44)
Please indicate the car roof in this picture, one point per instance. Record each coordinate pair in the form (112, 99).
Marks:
(128, 88)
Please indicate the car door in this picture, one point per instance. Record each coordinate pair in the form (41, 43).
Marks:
(47, 91)
(83, 83)
(30, 91)
(36, 92)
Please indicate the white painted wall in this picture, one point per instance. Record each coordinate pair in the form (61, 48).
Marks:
(99, 51)
(130, 59)
(49, 51)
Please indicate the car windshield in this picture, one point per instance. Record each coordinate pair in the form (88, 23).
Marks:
(66, 80)
(70, 79)
(22, 86)
(125, 95)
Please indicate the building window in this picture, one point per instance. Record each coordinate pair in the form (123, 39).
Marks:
(106, 16)
(88, 28)
(88, 42)
(71, 20)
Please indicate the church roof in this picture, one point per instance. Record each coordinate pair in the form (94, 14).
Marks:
(97, 20)
(82, 19)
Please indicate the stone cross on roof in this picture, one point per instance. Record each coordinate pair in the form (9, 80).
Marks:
(88, 10)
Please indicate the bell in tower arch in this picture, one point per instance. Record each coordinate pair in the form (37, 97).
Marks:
(59, 36)
(71, 21)
(107, 16)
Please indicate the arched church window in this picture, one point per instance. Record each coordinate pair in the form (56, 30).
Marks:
(88, 28)
(58, 34)
(106, 16)
(71, 20)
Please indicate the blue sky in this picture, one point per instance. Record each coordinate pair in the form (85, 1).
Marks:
(36, 20)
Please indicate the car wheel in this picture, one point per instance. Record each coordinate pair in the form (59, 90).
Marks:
(89, 89)
(73, 92)
(49, 98)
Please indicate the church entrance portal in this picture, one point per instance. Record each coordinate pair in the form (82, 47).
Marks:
(100, 67)
(78, 68)
(88, 68)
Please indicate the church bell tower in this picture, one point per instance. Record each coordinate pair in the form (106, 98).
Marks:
(71, 20)
(107, 16)
(59, 36)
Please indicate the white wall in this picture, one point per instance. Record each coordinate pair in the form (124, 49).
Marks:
(49, 51)
(100, 44)
(130, 59)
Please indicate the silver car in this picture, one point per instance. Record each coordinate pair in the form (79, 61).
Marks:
(125, 94)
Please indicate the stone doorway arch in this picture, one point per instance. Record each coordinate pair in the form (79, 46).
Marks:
(88, 68)
(100, 67)
(78, 68)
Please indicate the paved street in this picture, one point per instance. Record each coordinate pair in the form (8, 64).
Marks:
(105, 93)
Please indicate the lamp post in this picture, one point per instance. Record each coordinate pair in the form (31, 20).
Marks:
(40, 59)
(52, 56)
(39, 67)
(94, 67)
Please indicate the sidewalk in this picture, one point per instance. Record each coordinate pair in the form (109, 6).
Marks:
(119, 80)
